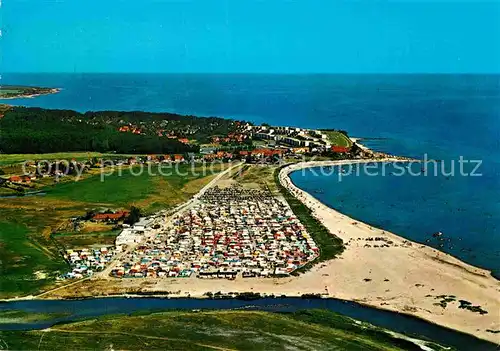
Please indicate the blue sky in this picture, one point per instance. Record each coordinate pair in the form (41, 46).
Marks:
(308, 36)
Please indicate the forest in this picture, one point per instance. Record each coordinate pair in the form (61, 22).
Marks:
(37, 130)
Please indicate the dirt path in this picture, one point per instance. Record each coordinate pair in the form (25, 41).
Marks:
(130, 334)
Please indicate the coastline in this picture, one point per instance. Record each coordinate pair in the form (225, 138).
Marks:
(410, 261)
(403, 276)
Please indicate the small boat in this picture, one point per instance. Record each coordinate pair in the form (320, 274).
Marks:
(437, 234)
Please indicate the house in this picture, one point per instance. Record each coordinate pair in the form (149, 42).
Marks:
(183, 140)
(178, 158)
(15, 179)
(20, 179)
(266, 152)
(295, 141)
(209, 157)
(110, 217)
(340, 149)
(300, 150)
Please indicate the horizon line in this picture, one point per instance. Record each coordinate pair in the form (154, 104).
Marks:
(261, 73)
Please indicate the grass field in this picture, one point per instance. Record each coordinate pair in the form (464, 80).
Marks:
(209, 330)
(7, 159)
(337, 138)
(260, 176)
(149, 192)
(93, 239)
(28, 260)
(30, 234)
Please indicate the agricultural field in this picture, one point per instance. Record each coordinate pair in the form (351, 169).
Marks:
(35, 228)
(257, 176)
(206, 330)
(9, 159)
(337, 138)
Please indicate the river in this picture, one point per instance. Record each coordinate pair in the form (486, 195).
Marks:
(78, 309)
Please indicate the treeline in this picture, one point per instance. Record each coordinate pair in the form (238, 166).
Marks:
(37, 130)
(192, 127)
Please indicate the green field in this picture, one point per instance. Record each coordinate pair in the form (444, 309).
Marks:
(30, 226)
(7, 159)
(337, 138)
(28, 261)
(93, 239)
(209, 330)
(149, 192)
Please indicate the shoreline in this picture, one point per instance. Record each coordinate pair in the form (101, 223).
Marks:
(425, 254)
(319, 164)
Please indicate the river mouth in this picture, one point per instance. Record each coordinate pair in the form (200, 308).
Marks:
(73, 310)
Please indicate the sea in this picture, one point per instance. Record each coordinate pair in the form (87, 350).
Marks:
(448, 118)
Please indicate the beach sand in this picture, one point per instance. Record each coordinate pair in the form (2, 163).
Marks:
(405, 277)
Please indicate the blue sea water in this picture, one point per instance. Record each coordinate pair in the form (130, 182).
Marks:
(443, 116)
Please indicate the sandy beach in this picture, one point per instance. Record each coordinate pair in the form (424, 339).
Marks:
(377, 268)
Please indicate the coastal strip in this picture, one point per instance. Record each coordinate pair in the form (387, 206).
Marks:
(401, 275)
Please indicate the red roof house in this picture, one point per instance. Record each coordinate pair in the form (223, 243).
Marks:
(103, 217)
(178, 158)
(340, 149)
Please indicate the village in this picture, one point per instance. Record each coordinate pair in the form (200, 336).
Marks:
(230, 232)
(249, 143)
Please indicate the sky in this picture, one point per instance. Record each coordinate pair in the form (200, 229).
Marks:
(249, 36)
